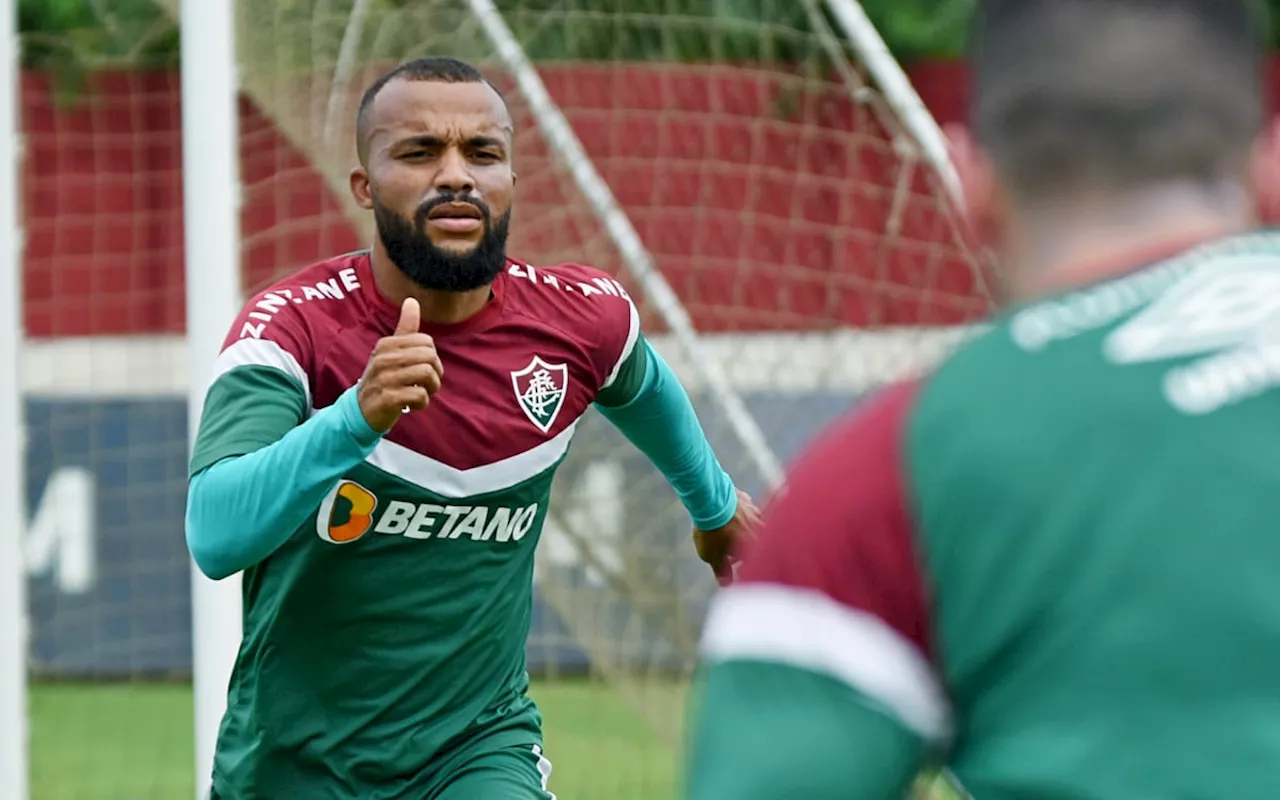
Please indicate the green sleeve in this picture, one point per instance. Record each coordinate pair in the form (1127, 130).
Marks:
(247, 408)
(661, 422)
(242, 509)
(765, 731)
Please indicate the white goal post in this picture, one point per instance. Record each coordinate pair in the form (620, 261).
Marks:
(13, 609)
(211, 223)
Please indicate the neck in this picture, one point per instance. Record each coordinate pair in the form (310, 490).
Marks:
(1064, 245)
(439, 307)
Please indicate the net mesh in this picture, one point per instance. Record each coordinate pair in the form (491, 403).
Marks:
(103, 370)
(754, 158)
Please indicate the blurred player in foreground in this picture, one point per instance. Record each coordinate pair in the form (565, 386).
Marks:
(1050, 566)
(376, 455)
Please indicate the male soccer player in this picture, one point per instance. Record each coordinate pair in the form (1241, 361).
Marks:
(376, 454)
(1051, 564)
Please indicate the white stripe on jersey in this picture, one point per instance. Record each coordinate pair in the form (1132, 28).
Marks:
(450, 482)
(261, 353)
(807, 629)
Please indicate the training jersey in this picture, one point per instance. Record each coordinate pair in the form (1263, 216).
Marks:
(1051, 565)
(392, 623)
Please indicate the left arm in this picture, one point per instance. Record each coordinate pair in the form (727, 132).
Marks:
(647, 404)
(640, 395)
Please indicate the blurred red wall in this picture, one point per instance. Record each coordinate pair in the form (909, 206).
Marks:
(764, 206)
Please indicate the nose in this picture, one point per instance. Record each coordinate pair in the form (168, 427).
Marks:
(454, 174)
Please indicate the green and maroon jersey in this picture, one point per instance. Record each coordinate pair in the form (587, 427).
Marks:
(1051, 566)
(392, 624)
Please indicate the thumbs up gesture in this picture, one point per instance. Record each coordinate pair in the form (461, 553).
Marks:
(403, 372)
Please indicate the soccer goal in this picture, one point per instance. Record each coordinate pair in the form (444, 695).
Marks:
(759, 175)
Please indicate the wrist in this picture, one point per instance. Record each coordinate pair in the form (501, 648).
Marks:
(349, 407)
(722, 516)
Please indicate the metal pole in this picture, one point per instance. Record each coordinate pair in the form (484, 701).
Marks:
(13, 501)
(211, 224)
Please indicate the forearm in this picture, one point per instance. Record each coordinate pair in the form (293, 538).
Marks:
(762, 731)
(661, 423)
(242, 509)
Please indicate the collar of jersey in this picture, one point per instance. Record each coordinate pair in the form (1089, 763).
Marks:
(1083, 275)
(389, 312)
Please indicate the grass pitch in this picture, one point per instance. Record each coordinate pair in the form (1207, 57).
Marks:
(134, 742)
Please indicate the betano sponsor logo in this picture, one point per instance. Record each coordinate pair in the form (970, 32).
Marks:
(350, 511)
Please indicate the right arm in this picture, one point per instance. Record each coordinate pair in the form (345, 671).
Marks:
(261, 465)
(243, 508)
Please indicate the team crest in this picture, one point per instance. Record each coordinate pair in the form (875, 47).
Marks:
(540, 389)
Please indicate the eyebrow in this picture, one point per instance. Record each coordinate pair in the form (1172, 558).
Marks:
(427, 140)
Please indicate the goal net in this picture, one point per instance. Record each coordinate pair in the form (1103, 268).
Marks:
(103, 381)
(772, 192)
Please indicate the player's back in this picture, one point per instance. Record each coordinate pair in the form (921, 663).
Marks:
(1094, 483)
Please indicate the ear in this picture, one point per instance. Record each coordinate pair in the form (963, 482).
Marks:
(361, 189)
(1264, 173)
(981, 196)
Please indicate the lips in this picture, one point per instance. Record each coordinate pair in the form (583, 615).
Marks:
(456, 211)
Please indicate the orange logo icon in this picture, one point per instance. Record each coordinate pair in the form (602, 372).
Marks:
(346, 513)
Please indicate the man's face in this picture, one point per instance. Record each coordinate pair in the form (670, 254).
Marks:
(439, 181)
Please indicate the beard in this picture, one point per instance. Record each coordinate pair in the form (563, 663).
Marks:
(432, 267)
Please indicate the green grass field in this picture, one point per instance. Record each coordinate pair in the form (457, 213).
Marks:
(134, 742)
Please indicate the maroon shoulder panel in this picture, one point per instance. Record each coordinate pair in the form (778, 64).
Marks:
(303, 311)
(842, 524)
(590, 308)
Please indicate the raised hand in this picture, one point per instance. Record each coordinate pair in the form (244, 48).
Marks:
(403, 372)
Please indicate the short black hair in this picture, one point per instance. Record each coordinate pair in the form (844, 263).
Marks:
(437, 68)
(1113, 95)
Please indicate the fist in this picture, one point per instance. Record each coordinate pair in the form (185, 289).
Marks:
(720, 547)
(403, 372)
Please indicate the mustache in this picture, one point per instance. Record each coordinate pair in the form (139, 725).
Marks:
(446, 198)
